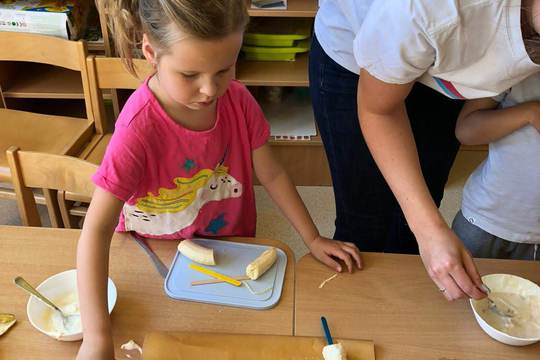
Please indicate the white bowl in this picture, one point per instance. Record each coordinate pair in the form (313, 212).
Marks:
(510, 284)
(57, 287)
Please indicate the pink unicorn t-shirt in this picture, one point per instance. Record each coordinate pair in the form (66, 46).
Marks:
(176, 182)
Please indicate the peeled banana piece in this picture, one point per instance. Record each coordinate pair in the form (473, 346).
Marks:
(261, 264)
(196, 252)
(334, 352)
(6, 321)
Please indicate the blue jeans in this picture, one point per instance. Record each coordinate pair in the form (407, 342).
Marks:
(367, 212)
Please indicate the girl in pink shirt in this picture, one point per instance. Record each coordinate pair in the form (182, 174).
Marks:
(181, 159)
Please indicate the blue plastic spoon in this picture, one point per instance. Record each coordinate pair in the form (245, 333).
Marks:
(326, 330)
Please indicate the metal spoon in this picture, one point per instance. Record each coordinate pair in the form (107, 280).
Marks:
(499, 307)
(23, 284)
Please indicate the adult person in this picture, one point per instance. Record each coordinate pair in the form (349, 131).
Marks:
(388, 80)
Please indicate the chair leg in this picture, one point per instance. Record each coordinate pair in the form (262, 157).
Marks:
(64, 206)
(2, 99)
(53, 208)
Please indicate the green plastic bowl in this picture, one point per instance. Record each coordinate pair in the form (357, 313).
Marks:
(260, 53)
(277, 32)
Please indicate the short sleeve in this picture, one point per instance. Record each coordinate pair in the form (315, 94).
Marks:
(392, 44)
(258, 127)
(122, 167)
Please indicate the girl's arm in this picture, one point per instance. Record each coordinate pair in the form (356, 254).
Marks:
(283, 192)
(481, 123)
(92, 273)
(387, 131)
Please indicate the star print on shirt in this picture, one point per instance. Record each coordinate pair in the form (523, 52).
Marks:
(189, 164)
(216, 224)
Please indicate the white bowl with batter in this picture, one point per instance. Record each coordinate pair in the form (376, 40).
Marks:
(61, 289)
(519, 294)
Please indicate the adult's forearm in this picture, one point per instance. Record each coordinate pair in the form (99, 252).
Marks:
(391, 142)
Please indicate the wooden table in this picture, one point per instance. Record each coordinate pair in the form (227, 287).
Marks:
(142, 305)
(394, 303)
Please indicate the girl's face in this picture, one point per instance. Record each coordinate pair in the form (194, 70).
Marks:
(195, 72)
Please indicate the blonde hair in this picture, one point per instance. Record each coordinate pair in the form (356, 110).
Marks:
(164, 21)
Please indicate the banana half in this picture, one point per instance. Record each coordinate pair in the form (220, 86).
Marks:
(261, 264)
(196, 252)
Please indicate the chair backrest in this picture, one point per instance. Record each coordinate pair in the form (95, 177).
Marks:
(110, 73)
(27, 47)
(34, 170)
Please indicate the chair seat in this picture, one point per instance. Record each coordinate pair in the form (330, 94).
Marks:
(44, 133)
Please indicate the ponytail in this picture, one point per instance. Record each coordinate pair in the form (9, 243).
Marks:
(165, 21)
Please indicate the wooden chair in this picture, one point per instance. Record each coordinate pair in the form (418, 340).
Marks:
(37, 132)
(37, 170)
(104, 73)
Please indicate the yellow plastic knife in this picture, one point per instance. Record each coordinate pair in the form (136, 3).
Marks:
(215, 274)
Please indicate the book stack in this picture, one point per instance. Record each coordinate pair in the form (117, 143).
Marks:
(65, 19)
(269, 4)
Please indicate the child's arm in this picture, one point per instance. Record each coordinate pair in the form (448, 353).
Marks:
(92, 273)
(282, 191)
(480, 122)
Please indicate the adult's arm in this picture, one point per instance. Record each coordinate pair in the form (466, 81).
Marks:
(387, 131)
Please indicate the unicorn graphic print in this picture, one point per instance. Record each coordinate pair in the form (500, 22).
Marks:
(172, 210)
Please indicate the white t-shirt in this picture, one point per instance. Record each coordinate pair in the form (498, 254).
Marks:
(461, 48)
(502, 196)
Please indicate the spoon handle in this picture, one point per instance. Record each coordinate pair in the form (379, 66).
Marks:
(23, 284)
(326, 330)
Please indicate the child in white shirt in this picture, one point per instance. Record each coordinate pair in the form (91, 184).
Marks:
(500, 212)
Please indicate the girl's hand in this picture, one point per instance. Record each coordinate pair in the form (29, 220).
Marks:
(450, 265)
(101, 349)
(324, 249)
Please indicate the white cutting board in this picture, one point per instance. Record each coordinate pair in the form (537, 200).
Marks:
(231, 259)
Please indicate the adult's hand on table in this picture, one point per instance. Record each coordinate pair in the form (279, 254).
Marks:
(449, 264)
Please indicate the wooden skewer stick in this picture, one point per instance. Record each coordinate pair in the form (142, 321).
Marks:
(215, 281)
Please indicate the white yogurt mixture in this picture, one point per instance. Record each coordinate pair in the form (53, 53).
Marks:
(131, 345)
(57, 326)
(334, 352)
(526, 321)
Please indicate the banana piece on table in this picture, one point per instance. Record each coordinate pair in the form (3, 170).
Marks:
(196, 252)
(261, 264)
(6, 321)
(334, 352)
